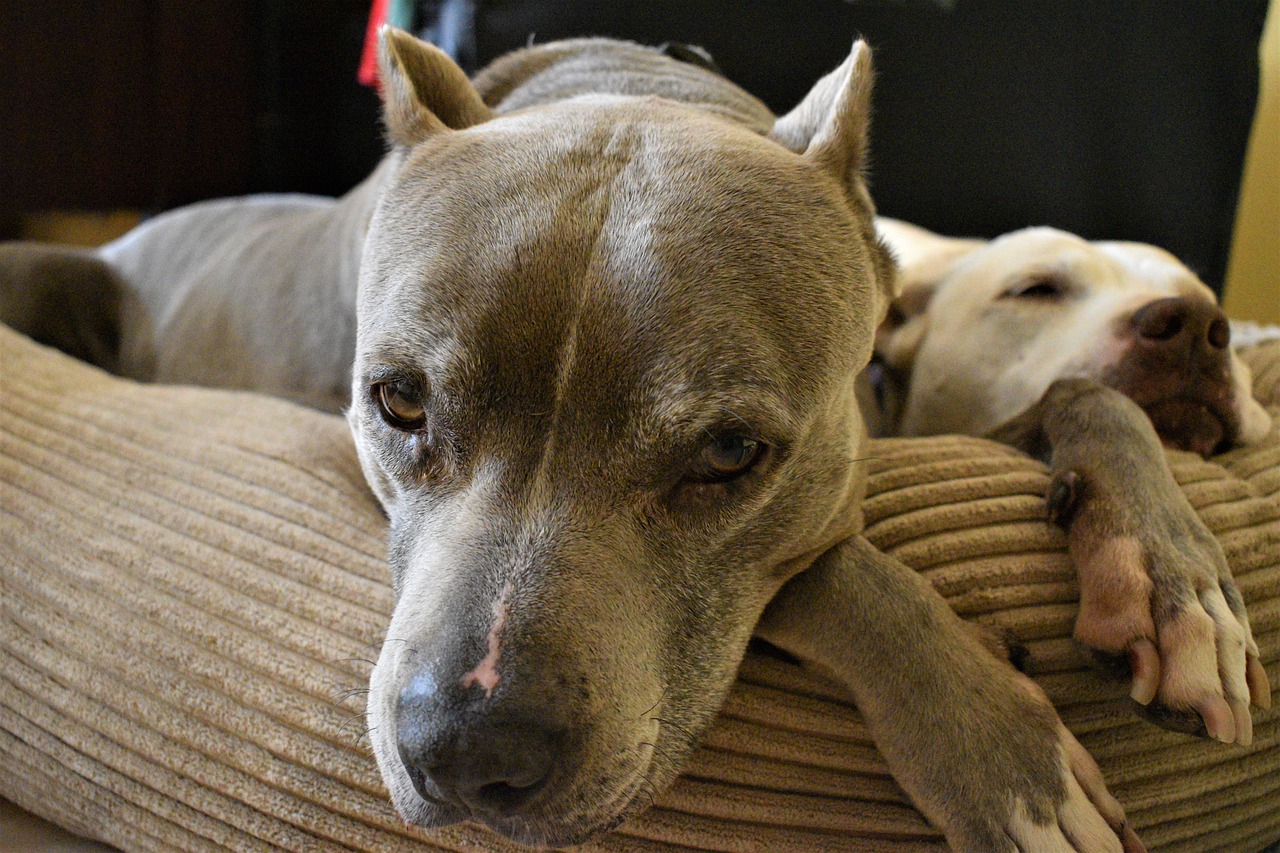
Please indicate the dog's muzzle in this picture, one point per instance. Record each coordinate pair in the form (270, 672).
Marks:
(1178, 369)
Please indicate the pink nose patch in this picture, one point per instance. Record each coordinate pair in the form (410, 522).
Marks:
(486, 672)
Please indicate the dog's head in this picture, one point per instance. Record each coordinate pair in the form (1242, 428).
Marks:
(981, 329)
(604, 390)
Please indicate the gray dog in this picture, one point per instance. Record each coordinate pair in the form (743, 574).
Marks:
(606, 337)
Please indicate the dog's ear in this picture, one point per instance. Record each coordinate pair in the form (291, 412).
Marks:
(424, 92)
(921, 254)
(925, 260)
(830, 125)
(885, 385)
(900, 333)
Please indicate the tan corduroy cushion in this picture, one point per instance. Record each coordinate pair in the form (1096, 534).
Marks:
(192, 587)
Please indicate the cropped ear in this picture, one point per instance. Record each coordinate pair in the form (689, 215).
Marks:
(424, 92)
(830, 125)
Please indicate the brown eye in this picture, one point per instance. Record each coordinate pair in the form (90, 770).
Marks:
(400, 404)
(727, 457)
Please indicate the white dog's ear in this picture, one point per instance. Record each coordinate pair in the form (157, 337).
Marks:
(424, 92)
(900, 334)
(830, 125)
(920, 253)
(925, 260)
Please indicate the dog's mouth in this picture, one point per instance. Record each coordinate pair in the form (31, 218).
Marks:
(577, 826)
(543, 826)
(1194, 425)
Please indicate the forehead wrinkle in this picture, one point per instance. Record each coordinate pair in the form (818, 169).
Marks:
(520, 298)
(611, 191)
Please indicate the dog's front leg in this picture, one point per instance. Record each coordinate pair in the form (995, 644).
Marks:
(1154, 583)
(975, 744)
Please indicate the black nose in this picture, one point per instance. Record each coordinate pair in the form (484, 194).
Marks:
(1183, 323)
(475, 752)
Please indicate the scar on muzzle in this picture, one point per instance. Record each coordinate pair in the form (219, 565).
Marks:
(486, 672)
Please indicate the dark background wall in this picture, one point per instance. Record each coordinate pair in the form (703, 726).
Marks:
(154, 103)
(1110, 118)
(1104, 117)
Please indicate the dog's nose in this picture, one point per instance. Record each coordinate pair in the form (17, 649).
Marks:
(1180, 322)
(492, 760)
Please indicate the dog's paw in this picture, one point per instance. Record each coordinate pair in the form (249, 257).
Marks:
(1086, 818)
(1042, 792)
(976, 744)
(1158, 598)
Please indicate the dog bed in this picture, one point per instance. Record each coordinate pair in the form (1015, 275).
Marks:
(192, 588)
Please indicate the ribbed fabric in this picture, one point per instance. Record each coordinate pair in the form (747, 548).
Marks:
(192, 588)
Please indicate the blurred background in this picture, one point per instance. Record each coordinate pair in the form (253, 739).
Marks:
(1127, 120)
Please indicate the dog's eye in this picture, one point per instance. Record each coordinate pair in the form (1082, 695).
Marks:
(727, 457)
(1046, 288)
(400, 403)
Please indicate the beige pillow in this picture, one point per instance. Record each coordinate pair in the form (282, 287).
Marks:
(192, 589)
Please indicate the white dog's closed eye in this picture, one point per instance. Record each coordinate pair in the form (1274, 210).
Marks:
(1045, 286)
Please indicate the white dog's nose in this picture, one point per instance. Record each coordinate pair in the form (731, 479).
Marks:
(1178, 369)
(1181, 322)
